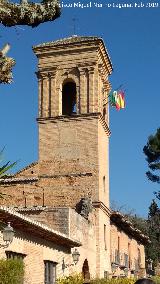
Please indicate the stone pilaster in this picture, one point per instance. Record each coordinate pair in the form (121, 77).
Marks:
(83, 90)
(97, 91)
(91, 89)
(78, 101)
(40, 94)
(58, 100)
(45, 95)
(52, 94)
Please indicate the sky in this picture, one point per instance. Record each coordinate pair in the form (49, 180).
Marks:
(131, 36)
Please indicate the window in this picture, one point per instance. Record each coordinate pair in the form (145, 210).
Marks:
(105, 243)
(49, 272)
(119, 243)
(15, 255)
(69, 98)
(126, 260)
(117, 256)
(106, 274)
(129, 255)
(139, 257)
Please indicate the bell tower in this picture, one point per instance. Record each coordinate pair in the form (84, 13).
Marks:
(73, 117)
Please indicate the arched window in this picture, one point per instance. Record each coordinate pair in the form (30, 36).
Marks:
(69, 98)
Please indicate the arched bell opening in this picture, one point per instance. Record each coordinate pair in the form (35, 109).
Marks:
(69, 98)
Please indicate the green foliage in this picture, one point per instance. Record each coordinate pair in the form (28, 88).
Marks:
(153, 209)
(78, 279)
(153, 249)
(156, 279)
(11, 271)
(149, 227)
(113, 281)
(152, 152)
(139, 223)
(72, 279)
(5, 167)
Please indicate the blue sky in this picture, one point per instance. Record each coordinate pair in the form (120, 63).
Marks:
(132, 38)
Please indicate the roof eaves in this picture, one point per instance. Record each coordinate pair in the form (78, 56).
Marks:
(17, 180)
(66, 41)
(129, 226)
(68, 241)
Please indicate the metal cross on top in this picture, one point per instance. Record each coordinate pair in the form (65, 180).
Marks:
(74, 20)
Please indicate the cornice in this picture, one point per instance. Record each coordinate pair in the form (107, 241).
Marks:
(95, 115)
(103, 207)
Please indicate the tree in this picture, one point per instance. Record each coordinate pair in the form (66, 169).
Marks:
(5, 166)
(148, 226)
(139, 223)
(152, 152)
(4, 169)
(153, 249)
(25, 13)
(6, 65)
(31, 14)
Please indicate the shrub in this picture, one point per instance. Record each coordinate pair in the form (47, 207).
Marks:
(11, 271)
(72, 279)
(78, 279)
(156, 279)
(113, 281)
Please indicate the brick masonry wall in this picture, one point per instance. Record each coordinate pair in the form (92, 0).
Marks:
(103, 158)
(37, 250)
(30, 171)
(56, 218)
(70, 148)
(129, 246)
(66, 220)
(102, 243)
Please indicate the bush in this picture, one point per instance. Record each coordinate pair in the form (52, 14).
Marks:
(156, 279)
(113, 281)
(11, 271)
(72, 279)
(78, 279)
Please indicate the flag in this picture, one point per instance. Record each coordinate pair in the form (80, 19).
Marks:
(112, 98)
(122, 99)
(117, 99)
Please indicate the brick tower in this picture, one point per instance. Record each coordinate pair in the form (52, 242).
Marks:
(68, 188)
(74, 133)
(73, 119)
